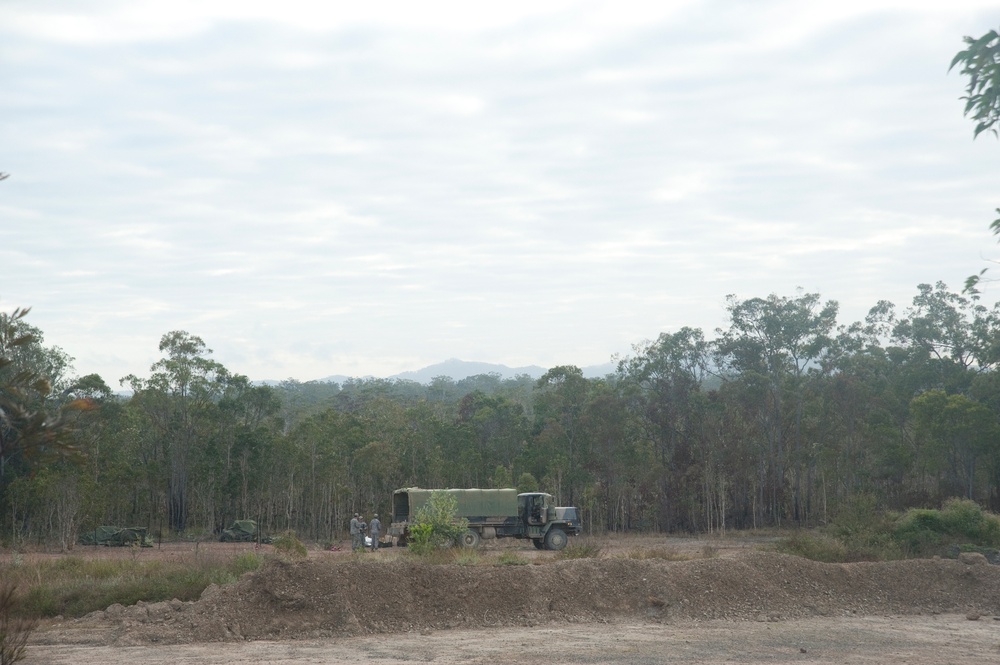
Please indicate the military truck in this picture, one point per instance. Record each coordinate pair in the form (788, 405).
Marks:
(501, 513)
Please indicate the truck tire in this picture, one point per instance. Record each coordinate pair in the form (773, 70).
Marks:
(555, 539)
(469, 539)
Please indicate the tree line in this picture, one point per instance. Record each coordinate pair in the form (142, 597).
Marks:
(784, 417)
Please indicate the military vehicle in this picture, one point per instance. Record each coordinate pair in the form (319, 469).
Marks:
(242, 531)
(501, 513)
(116, 536)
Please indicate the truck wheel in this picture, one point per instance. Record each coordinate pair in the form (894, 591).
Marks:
(555, 539)
(469, 539)
(538, 543)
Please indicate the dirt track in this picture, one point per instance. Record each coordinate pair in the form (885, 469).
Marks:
(745, 606)
(916, 640)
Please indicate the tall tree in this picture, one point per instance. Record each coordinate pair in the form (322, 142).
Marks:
(660, 384)
(562, 394)
(772, 343)
(180, 399)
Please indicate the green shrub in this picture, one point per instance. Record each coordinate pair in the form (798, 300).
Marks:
(245, 563)
(289, 545)
(920, 530)
(420, 542)
(965, 519)
(923, 531)
(435, 524)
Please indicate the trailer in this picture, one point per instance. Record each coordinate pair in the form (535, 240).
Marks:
(493, 513)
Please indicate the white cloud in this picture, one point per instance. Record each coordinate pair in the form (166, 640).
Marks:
(321, 188)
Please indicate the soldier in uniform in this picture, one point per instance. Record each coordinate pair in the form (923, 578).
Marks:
(357, 534)
(375, 530)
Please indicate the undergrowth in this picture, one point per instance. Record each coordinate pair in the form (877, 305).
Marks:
(860, 532)
(287, 544)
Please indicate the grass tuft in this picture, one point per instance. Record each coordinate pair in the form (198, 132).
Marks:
(510, 558)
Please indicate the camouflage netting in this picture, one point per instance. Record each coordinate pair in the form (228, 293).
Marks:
(242, 531)
(116, 536)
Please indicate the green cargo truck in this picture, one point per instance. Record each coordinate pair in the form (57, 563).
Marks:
(492, 514)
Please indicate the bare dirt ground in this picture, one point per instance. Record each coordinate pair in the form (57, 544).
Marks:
(633, 604)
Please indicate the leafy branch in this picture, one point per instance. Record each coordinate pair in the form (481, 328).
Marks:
(981, 63)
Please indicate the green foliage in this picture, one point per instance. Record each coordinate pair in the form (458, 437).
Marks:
(862, 530)
(35, 428)
(420, 539)
(501, 477)
(861, 533)
(527, 483)
(807, 415)
(968, 520)
(924, 532)
(435, 524)
(288, 544)
(981, 63)
(245, 563)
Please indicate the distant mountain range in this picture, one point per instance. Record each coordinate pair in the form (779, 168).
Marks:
(462, 369)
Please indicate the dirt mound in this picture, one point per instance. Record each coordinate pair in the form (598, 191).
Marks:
(318, 599)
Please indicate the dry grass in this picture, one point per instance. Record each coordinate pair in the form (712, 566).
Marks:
(73, 585)
(14, 630)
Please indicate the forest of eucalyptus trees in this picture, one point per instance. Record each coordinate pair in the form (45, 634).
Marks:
(783, 417)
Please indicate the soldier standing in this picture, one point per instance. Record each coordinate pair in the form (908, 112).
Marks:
(375, 530)
(357, 538)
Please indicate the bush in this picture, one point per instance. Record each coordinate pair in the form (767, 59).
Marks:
(923, 531)
(964, 518)
(245, 563)
(289, 545)
(435, 524)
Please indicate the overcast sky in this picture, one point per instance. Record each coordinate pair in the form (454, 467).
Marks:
(320, 188)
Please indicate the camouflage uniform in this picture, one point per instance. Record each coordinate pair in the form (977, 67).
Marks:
(357, 535)
(375, 530)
